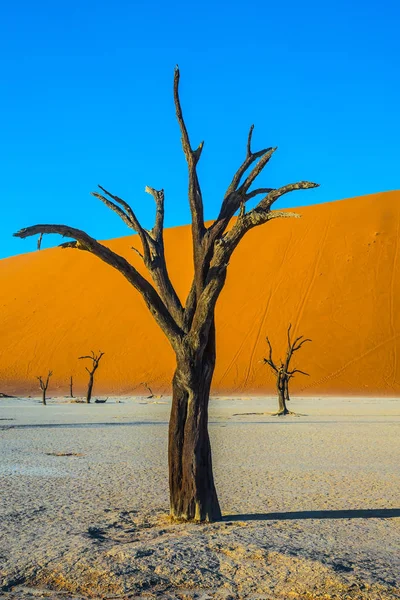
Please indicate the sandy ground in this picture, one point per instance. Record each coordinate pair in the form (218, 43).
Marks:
(311, 503)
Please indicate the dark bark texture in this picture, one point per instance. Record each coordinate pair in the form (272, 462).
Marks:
(192, 491)
(189, 326)
(283, 392)
(89, 389)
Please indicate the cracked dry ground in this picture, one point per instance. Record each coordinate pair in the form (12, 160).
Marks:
(93, 524)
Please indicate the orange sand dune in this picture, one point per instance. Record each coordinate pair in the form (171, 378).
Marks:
(334, 274)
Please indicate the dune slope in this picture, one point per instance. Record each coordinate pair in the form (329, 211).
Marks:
(334, 274)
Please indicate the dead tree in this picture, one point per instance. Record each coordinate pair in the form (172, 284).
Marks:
(283, 372)
(71, 392)
(95, 358)
(44, 384)
(149, 390)
(189, 325)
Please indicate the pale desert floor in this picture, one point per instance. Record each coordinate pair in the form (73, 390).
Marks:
(311, 502)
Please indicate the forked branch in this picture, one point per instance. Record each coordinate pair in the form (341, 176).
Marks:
(152, 242)
(269, 361)
(44, 384)
(238, 194)
(95, 358)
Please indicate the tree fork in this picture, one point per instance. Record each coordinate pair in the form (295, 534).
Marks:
(44, 384)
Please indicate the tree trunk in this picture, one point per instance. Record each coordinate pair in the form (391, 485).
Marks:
(71, 393)
(89, 390)
(44, 397)
(286, 390)
(192, 490)
(281, 387)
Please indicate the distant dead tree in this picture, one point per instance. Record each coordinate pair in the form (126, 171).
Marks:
(282, 371)
(189, 325)
(44, 384)
(149, 389)
(95, 358)
(71, 392)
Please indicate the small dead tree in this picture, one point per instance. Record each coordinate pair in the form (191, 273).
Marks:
(283, 372)
(44, 384)
(95, 358)
(189, 325)
(71, 392)
(149, 389)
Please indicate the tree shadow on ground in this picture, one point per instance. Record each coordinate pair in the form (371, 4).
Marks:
(367, 513)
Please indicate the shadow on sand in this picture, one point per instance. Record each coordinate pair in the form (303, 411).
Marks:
(367, 513)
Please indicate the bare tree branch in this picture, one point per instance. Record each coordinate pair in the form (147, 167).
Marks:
(216, 276)
(157, 231)
(95, 358)
(137, 252)
(149, 294)
(257, 192)
(127, 216)
(300, 344)
(192, 158)
(152, 245)
(275, 194)
(125, 206)
(157, 265)
(255, 172)
(288, 335)
(269, 361)
(122, 214)
(236, 197)
(233, 197)
(291, 373)
(251, 157)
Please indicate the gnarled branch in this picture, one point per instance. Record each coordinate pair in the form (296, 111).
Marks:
(95, 358)
(291, 373)
(192, 158)
(152, 244)
(128, 217)
(85, 242)
(269, 361)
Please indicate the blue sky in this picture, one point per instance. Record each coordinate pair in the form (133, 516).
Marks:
(86, 98)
